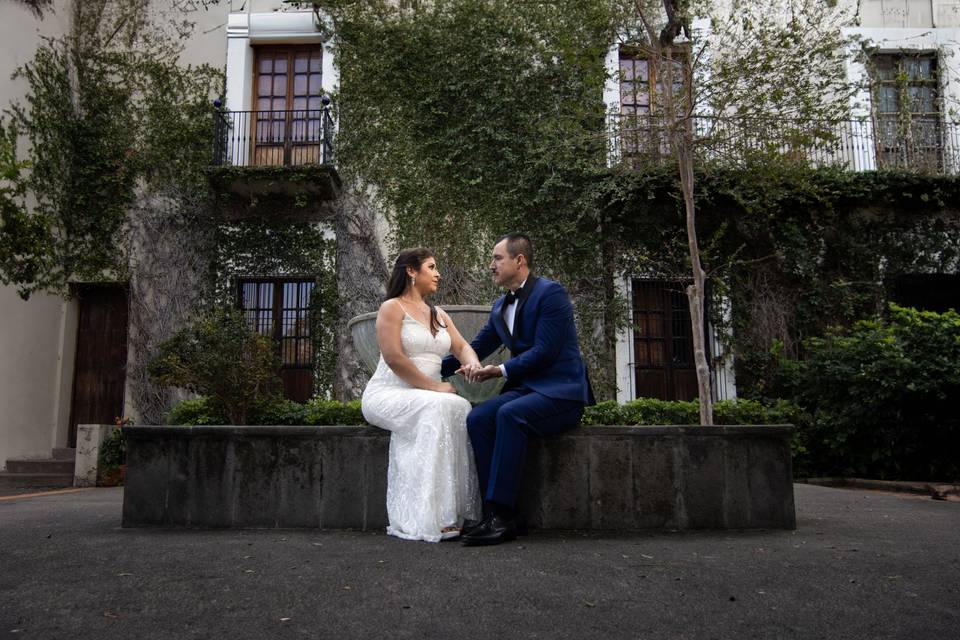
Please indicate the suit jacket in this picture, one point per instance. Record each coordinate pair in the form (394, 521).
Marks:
(544, 351)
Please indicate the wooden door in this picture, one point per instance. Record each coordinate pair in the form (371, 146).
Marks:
(101, 361)
(663, 341)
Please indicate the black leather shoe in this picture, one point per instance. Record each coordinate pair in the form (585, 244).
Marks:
(493, 530)
(469, 525)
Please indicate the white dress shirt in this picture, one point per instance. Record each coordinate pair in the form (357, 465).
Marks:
(509, 314)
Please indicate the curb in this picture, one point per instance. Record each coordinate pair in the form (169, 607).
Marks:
(936, 490)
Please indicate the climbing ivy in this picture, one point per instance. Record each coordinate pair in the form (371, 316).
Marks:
(796, 249)
(482, 118)
(108, 109)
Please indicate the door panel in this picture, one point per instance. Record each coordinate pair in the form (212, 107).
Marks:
(101, 361)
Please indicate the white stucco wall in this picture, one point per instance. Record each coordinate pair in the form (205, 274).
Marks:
(32, 412)
(34, 397)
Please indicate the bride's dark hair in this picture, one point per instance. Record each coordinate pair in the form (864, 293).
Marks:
(397, 284)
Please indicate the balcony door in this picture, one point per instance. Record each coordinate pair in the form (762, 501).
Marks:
(288, 121)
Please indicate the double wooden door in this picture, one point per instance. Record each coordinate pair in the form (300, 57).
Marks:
(288, 122)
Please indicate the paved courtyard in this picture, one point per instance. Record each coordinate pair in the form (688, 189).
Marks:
(860, 565)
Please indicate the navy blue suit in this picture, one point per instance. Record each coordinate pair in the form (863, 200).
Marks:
(545, 391)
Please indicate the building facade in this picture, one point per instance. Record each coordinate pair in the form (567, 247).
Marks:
(64, 361)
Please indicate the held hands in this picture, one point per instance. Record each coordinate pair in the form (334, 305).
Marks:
(476, 373)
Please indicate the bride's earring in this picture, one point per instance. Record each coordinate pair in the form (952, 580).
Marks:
(413, 281)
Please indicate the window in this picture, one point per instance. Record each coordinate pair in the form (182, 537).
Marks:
(280, 309)
(907, 110)
(641, 89)
(289, 113)
(663, 341)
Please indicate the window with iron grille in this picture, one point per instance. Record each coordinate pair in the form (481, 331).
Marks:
(906, 108)
(288, 122)
(280, 309)
(663, 341)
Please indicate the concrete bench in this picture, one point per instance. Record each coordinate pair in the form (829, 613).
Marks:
(335, 477)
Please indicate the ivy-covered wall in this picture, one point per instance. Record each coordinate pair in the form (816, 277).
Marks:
(272, 247)
(796, 249)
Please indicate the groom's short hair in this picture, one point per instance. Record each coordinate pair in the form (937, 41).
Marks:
(518, 243)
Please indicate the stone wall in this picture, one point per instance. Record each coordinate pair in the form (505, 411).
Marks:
(599, 478)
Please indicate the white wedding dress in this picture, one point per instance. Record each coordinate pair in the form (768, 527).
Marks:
(431, 478)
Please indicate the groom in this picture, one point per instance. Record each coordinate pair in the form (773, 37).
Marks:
(545, 390)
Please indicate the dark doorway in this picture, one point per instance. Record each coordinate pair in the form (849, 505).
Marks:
(101, 362)
(662, 341)
(928, 291)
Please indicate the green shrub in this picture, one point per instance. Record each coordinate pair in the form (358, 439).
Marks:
(281, 411)
(278, 411)
(333, 412)
(881, 398)
(222, 358)
(195, 411)
(650, 411)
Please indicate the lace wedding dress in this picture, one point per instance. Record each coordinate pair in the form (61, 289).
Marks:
(431, 478)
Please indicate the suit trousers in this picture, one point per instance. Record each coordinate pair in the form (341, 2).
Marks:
(499, 429)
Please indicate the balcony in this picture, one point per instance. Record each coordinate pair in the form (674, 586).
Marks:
(925, 146)
(273, 138)
(274, 163)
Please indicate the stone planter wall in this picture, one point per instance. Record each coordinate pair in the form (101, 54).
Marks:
(600, 478)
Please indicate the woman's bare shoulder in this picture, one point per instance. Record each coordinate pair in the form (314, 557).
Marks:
(390, 309)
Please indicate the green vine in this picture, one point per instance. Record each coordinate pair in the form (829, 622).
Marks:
(796, 249)
(264, 247)
(108, 109)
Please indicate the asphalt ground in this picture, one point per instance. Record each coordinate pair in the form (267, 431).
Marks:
(861, 564)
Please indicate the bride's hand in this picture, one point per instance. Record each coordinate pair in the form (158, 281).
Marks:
(444, 387)
(469, 370)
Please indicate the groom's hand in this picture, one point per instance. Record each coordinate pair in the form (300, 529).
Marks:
(483, 374)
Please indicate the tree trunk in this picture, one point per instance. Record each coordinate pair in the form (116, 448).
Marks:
(695, 292)
(681, 138)
(361, 280)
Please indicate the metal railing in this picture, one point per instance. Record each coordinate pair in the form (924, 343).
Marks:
(928, 145)
(273, 138)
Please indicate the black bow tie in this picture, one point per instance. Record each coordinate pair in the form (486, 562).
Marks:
(512, 296)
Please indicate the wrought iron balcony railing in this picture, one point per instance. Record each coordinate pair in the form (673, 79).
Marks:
(922, 145)
(271, 138)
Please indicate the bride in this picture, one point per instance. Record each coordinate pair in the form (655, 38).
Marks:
(431, 478)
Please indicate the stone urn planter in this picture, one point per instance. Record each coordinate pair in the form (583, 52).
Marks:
(469, 319)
